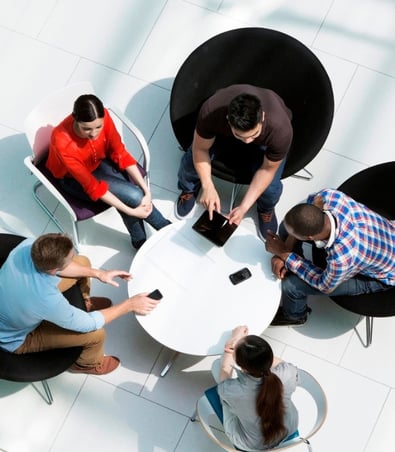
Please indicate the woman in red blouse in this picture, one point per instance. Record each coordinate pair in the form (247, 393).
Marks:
(87, 155)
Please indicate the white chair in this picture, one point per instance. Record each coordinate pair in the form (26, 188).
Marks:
(38, 128)
(315, 403)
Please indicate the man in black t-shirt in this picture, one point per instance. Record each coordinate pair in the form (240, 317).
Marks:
(248, 128)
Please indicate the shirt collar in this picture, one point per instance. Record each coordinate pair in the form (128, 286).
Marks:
(331, 239)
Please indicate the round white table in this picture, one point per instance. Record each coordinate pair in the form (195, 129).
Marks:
(200, 305)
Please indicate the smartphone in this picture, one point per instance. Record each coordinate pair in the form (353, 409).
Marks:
(240, 276)
(155, 295)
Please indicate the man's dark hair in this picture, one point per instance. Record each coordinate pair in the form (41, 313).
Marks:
(305, 220)
(244, 112)
(49, 251)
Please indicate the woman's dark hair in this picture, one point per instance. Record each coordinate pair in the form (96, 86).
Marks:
(245, 112)
(255, 356)
(87, 108)
(305, 219)
(49, 251)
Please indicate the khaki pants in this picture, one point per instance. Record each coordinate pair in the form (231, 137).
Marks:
(49, 336)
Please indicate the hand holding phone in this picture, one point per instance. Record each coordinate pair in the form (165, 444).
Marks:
(240, 276)
(155, 295)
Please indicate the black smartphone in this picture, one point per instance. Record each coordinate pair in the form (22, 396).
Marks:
(240, 275)
(155, 295)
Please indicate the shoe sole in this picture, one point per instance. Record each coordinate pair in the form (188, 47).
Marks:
(185, 217)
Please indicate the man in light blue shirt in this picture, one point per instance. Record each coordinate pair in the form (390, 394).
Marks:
(36, 316)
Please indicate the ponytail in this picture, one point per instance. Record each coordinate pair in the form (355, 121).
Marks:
(270, 408)
(255, 356)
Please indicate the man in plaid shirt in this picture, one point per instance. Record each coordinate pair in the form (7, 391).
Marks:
(360, 249)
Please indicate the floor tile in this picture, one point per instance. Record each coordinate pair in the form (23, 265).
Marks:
(362, 32)
(118, 421)
(368, 110)
(113, 36)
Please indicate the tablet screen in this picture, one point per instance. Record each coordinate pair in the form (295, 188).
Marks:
(217, 230)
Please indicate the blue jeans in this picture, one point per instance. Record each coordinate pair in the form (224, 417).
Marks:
(234, 153)
(294, 292)
(120, 185)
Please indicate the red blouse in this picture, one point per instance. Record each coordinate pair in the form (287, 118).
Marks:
(72, 156)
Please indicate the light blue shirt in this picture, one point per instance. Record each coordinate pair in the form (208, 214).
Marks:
(28, 296)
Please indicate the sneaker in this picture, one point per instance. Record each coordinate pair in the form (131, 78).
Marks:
(137, 245)
(280, 319)
(109, 364)
(185, 204)
(97, 303)
(267, 221)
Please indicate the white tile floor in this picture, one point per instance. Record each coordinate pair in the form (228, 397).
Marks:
(131, 50)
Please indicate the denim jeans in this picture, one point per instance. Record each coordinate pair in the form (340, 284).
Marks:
(234, 153)
(294, 292)
(129, 193)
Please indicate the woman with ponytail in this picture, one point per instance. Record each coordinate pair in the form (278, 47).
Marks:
(258, 412)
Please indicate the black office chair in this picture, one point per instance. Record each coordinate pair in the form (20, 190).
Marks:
(265, 58)
(374, 187)
(32, 367)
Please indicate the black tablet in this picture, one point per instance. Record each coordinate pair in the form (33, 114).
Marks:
(217, 230)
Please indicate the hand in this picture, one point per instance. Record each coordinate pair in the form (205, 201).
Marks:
(147, 200)
(278, 267)
(142, 211)
(236, 215)
(210, 200)
(276, 246)
(237, 333)
(142, 304)
(107, 276)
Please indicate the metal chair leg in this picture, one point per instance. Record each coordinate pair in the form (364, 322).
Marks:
(308, 176)
(369, 332)
(48, 392)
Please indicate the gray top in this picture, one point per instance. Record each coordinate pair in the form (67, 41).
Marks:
(238, 396)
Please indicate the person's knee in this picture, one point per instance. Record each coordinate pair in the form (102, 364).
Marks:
(82, 260)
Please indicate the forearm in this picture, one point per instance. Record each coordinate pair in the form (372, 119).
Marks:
(76, 270)
(261, 180)
(115, 202)
(226, 369)
(135, 174)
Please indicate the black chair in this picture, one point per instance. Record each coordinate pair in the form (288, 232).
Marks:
(33, 367)
(261, 57)
(374, 187)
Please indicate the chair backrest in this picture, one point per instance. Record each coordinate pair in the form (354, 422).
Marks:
(312, 415)
(49, 113)
(261, 57)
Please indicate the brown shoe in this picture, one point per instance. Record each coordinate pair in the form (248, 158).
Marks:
(97, 303)
(109, 364)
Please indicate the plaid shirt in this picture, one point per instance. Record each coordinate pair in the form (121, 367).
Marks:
(364, 244)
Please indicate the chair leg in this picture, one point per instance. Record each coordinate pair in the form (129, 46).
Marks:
(47, 391)
(307, 442)
(308, 176)
(369, 332)
(47, 395)
(193, 417)
(44, 207)
(235, 192)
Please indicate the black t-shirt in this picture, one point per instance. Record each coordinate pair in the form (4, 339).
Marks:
(276, 132)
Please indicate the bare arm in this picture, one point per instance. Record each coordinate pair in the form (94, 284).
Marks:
(261, 180)
(228, 361)
(76, 270)
(142, 211)
(201, 159)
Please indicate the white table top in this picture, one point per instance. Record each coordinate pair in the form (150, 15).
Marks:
(200, 306)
